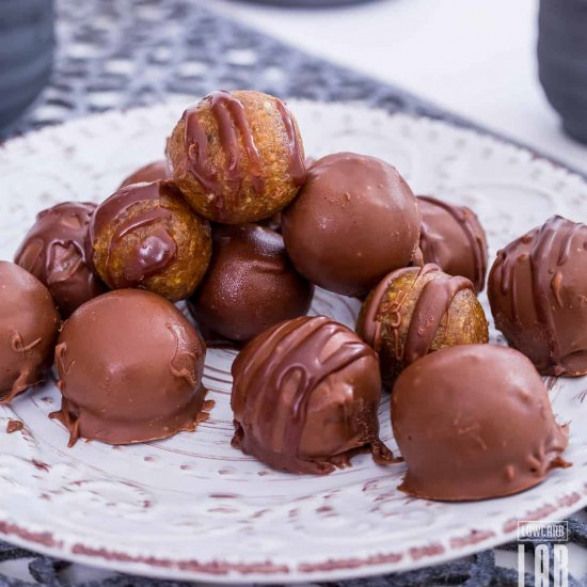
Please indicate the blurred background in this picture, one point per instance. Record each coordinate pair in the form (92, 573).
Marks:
(475, 58)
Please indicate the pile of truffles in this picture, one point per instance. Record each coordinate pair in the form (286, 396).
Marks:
(237, 222)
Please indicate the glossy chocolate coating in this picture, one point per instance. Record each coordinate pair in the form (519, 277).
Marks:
(130, 368)
(452, 237)
(146, 236)
(237, 156)
(250, 286)
(305, 397)
(538, 294)
(158, 170)
(354, 221)
(29, 323)
(417, 310)
(54, 251)
(474, 422)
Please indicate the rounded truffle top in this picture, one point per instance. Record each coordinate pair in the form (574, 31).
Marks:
(130, 368)
(474, 422)
(452, 237)
(29, 322)
(155, 171)
(146, 236)
(305, 396)
(250, 286)
(54, 251)
(237, 156)
(355, 220)
(537, 294)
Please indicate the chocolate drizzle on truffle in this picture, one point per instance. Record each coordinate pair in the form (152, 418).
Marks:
(432, 305)
(152, 254)
(54, 251)
(232, 122)
(544, 254)
(29, 325)
(297, 163)
(275, 379)
(437, 246)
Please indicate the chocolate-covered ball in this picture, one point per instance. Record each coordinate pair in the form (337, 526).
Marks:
(417, 310)
(250, 286)
(146, 236)
(305, 397)
(474, 422)
(158, 170)
(54, 251)
(354, 221)
(452, 237)
(237, 156)
(538, 294)
(130, 370)
(29, 323)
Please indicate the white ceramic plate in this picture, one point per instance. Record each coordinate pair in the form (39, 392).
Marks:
(194, 508)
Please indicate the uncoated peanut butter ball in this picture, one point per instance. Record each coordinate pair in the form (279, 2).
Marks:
(237, 156)
(418, 310)
(145, 236)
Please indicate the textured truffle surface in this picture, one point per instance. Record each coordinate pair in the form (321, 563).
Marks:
(29, 323)
(474, 422)
(55, 252)
(415, 311)
(305, 397)
(250, 286)
(146, 236)
(538, 294)
(237, 156)
(354, 221)
(452, 237)
(130, 370)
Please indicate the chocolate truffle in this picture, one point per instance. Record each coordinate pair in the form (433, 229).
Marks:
(354, 221)
(130, 368)
(237, 156)
(415, 311)
(250, 286)
(538, 294)
(158, 170)
(146, 236)
(29, 322)
(452, 237)
(474, 422)
(54, 251)
(305, 397)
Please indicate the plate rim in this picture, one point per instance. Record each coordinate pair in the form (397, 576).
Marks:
(568, 501)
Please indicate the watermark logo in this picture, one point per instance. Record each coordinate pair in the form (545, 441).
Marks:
(546, 543)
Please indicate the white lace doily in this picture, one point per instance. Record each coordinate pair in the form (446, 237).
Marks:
(194, 508)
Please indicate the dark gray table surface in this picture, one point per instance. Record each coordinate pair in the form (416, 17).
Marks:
(128, 53)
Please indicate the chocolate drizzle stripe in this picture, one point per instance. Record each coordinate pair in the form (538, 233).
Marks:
(434, 302)
(550, 248)
(152, 254)
(232, 121)
(292, 348)
(370, 328)
(464, 219)
(296, 161)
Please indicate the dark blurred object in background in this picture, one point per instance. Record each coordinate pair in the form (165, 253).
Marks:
(562, 61)
(308, 3)
(26, 54)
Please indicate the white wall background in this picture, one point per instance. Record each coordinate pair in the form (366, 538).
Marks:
(475, 57)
